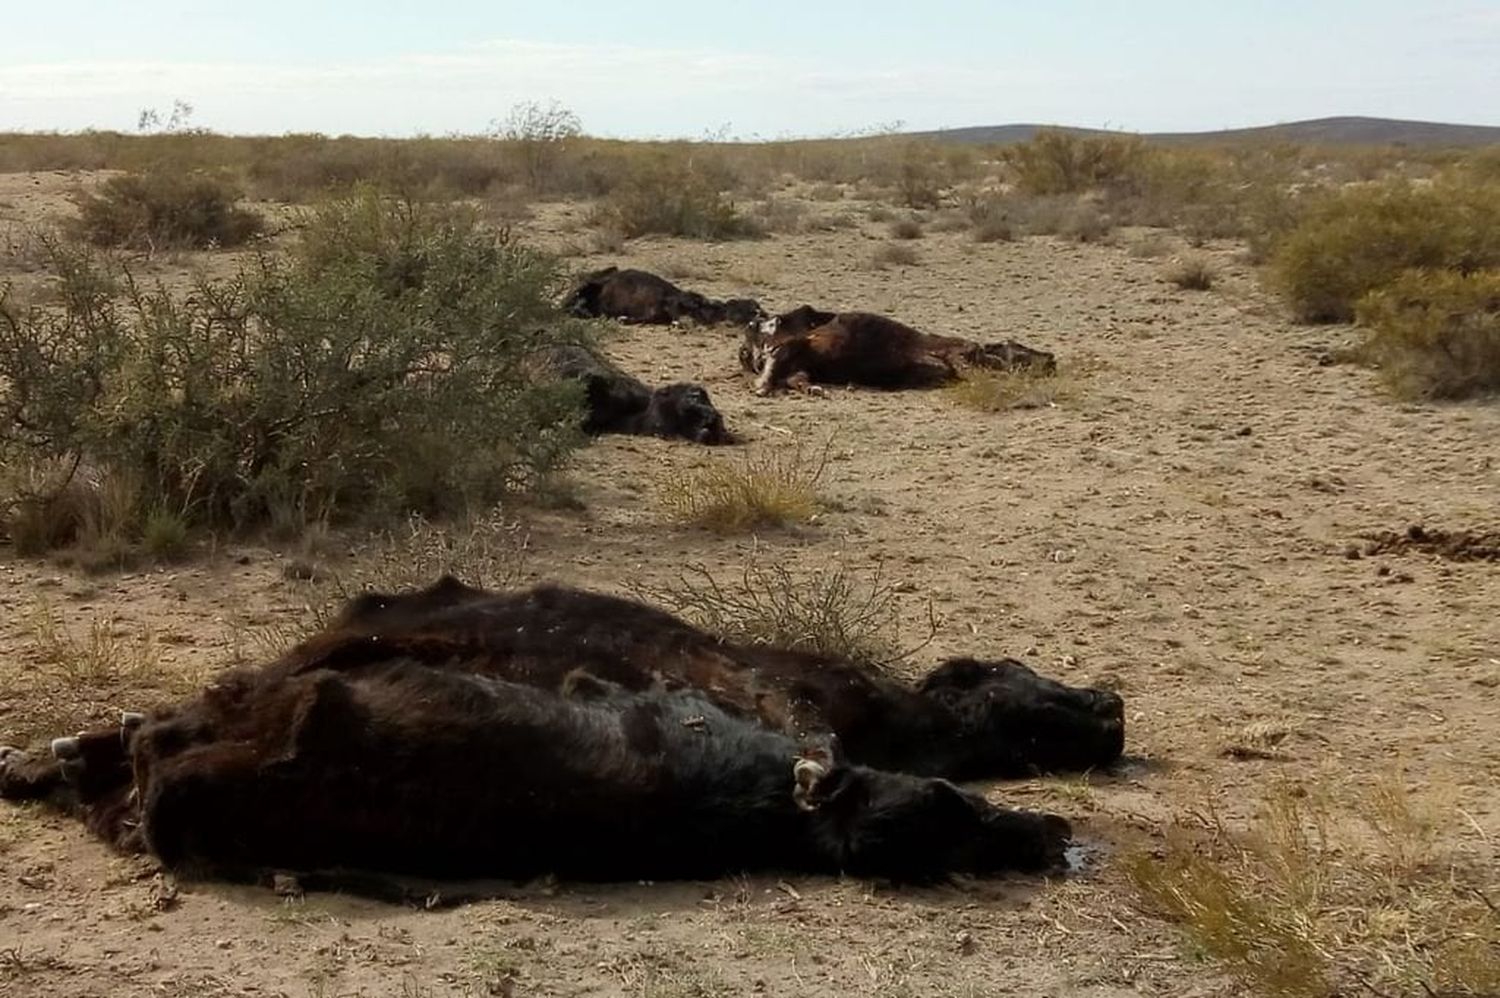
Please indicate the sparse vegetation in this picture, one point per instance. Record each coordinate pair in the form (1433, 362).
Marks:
(1314, 901)
(1436, 334)
(766, 489)
(831, 612)
(376, 369)
(163, 208)
(1191, 273)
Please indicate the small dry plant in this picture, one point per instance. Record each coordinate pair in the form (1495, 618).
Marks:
(488, 551)
(102, 653)
(1025, 388)
(906, 228)
(1191, 273)
(1314, 900)
(771, 488)
(836, 611)
(894, 255)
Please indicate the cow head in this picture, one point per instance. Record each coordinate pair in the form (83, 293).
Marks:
(1019, 722)
(739, 311)
(801, 319)
(685, 410)
(755, 348)
(910, 828)
(1012, 356)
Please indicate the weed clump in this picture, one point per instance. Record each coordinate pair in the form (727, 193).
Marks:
(166, 209)
(1435, 334)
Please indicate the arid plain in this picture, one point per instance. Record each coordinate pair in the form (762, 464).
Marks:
(1176, 523)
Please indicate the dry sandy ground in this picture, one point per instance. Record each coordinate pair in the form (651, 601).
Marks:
(1178, 530)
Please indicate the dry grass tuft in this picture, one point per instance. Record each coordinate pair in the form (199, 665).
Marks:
(1191, 273)
(894, 255)
(998, 391)
(104, 653)
(770, 489)
(1314, 900)
(828, 613)
(906, 228)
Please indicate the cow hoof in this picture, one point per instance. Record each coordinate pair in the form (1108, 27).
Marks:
(130, 719)
(65, 749)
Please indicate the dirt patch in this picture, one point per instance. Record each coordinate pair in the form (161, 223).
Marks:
(1454, 545)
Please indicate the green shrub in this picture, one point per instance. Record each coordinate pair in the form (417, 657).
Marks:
(668, 196)
(1436, 334)
(920, 179)
(1367, 236)
(162, 208)
(376, 369)
(1057, 162)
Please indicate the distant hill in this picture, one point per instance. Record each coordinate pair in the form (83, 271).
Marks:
(1318, 131)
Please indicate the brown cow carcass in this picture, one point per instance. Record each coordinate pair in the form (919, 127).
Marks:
(808, 346)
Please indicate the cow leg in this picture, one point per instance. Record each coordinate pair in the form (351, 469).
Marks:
(800, 382)
(776, 367)
(935, 369)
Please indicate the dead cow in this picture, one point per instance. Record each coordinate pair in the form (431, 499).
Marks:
(395, 766)
(807, 346)
(636, 296)
(966, 719)
(619, 403)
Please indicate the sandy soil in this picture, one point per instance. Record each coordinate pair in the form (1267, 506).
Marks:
(1178, 530)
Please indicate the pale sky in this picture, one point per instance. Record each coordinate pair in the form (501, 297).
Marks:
(758, 68)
